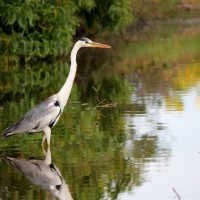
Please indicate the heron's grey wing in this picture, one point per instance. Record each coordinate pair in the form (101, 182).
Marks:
(44, 114)
(46, 176)
(36, 171)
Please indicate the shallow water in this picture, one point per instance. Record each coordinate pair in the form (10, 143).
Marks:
(131, 135)
(177, 166)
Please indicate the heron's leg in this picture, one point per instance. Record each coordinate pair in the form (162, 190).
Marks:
(43, 140)
(47, 133)
(47, 159)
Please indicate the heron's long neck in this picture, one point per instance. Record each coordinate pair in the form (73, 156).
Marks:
(64, 92)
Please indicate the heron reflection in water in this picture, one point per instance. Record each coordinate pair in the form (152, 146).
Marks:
(42, 173)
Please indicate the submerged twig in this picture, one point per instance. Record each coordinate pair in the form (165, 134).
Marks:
(177, 194)
(97, 92)
(107, 105)
(101, 104)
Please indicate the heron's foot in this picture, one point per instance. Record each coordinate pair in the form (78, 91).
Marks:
(47, 154)
(45, 138)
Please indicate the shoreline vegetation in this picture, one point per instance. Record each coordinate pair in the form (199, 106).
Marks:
(33, 31)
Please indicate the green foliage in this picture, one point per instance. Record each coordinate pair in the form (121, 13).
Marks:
(105, 15)
(39, 29)
(35, 29)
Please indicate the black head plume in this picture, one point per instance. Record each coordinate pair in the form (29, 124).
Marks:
(84, 39)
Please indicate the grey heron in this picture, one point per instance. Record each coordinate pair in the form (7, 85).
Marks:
(42, 173)
(46, 114)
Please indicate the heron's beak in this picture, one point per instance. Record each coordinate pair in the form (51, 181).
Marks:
(99, 45)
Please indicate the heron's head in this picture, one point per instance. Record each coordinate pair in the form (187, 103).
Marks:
(85, 42)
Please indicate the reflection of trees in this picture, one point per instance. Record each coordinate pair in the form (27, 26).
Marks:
(90, 144)
(109, 88)
(90, 148)
(160, 62)
(99, 166)
(97, 71)
(42, 78)
(168, 84)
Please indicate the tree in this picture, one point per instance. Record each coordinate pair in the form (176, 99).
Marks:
(32, 29)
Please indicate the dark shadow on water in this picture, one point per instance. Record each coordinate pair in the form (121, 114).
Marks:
(42, 173)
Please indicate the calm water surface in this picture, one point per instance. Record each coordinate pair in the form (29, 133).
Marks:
(178, 166)
(131, 136)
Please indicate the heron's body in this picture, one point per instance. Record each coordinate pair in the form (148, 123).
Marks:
(41, 118)
(46, 114)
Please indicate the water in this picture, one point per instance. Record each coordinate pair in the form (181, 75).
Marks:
(179, 135)
(131, 132)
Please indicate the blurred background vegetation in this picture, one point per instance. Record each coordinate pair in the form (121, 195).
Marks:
(38, 29)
